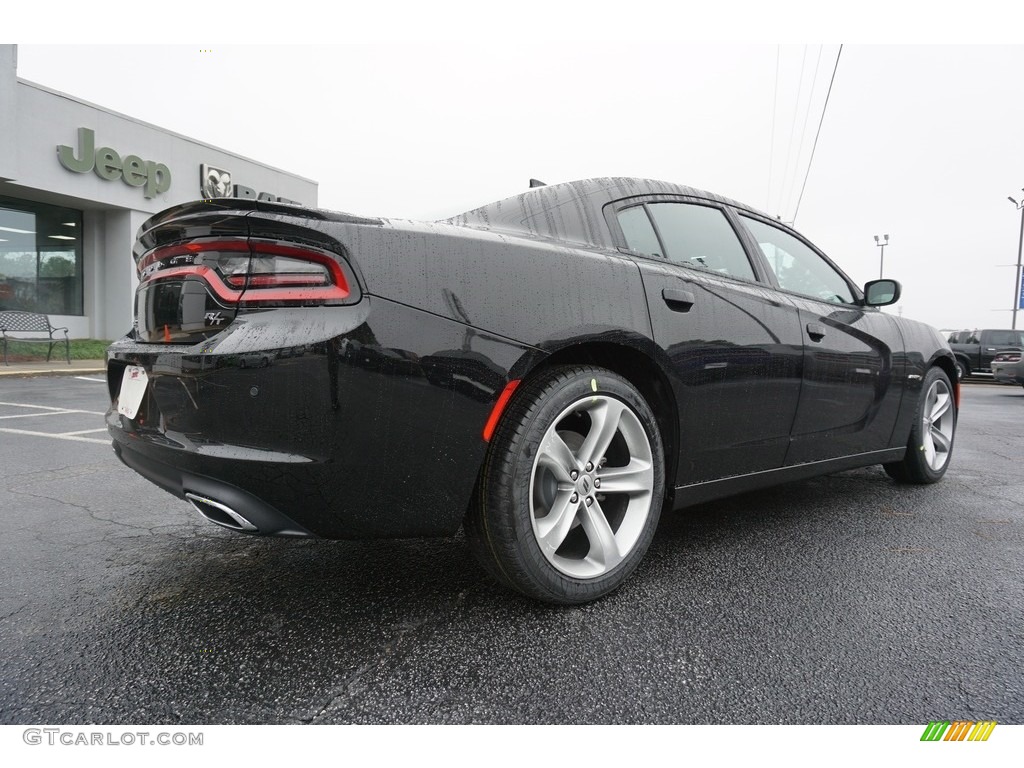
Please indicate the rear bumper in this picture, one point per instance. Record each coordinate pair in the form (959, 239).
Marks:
(246, 513)
(338, 436)
(1008, 373)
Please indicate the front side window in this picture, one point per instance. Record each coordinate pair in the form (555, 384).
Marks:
(695, 236)
(797, 267)
(40, 258)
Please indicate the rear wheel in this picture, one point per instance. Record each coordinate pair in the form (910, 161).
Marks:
(572, 487)
(962, 371)
(931, 438)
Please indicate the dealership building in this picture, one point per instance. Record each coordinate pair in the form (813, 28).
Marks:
(76, 183)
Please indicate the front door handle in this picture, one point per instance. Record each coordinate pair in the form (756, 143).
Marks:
(816, 331)
(678, 300)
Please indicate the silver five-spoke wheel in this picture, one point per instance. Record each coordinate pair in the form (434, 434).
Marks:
(937, 426)
(930, 444)
(572, 485)
(591, 487)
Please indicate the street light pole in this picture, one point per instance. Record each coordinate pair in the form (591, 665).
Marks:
(1020, 246)
(881, 259)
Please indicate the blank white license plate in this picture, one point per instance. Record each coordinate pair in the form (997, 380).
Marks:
(133, 388)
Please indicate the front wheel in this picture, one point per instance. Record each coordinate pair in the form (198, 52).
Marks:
(572, 487)
(962, 371)
(931, 438)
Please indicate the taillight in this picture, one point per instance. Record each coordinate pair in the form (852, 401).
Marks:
(1007, 357)
(251, 273)
(287, 274)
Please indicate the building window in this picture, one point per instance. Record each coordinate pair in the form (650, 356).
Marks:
(40, 258)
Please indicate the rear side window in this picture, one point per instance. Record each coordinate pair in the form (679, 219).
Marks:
(639, 232)
(695, 236)
(797, 267)
(1006, 338)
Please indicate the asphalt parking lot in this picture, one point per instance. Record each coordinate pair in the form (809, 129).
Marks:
(846, 599)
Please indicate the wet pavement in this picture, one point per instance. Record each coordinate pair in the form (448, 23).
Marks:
(845, 599)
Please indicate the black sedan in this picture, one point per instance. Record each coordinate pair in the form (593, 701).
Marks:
(550, 370)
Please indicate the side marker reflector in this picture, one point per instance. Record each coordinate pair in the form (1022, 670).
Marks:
(498, 409)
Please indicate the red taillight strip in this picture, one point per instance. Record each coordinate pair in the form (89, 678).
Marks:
(499, 408)
(313, 293)
(199, 270)
(264, 294)
(278, 280)
(265, 287)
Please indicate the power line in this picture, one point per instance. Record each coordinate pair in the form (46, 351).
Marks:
(803, 129)
(792, 130)
(771, 149)
(816, 135)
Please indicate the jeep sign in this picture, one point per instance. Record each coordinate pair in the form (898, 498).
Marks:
(108, 164)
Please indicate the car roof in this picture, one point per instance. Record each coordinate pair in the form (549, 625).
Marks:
(571, 211)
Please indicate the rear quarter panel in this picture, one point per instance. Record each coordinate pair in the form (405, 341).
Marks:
(532, 291)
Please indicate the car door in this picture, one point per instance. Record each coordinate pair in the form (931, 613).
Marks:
(733, 342)
(853, 355)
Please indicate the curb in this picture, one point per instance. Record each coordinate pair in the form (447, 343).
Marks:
(33, 372)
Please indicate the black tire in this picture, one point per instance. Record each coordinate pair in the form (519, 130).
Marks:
(527, 496)
(931, 438)
(962, 370)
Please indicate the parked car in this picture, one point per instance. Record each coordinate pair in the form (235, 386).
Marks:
(975, 352)
(549, 370)
(1007, 367)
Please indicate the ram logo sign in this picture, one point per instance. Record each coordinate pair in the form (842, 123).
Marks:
(217, 183)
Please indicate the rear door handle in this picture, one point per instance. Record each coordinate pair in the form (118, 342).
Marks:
(816, 331)
(677, 299)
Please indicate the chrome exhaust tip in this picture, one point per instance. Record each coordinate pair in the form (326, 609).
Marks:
(219, 513)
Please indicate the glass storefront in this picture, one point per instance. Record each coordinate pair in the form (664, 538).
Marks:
(40, 258)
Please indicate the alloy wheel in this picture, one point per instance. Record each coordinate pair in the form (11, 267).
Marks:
(937, 429)
(591, 487)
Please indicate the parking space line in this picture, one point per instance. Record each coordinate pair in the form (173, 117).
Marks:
(80, 432)
(89, 378)
(37, 415)
(58, 437)
(51, 408)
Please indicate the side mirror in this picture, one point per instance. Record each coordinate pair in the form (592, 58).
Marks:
(881, 293)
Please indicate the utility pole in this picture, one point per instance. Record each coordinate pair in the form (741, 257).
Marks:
(1020, 244)
(881, 259)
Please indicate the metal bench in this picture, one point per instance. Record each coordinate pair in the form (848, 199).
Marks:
(14, 322)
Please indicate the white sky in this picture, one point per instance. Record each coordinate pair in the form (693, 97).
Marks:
(428, 118)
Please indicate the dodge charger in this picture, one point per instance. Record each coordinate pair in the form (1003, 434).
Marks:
(549, 371)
